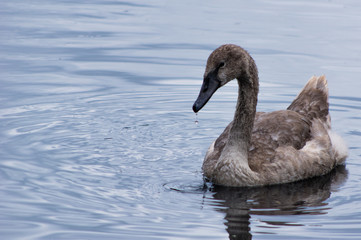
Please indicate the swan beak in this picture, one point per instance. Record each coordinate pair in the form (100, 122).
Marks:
(209, 86)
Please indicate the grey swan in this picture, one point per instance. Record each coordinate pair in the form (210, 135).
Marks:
(258, 148)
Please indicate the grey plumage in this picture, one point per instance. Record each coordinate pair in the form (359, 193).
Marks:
(268, 148)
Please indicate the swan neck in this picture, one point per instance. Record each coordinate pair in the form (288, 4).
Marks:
(244, 116)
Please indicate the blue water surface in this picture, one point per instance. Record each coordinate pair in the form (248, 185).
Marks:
(98, 139)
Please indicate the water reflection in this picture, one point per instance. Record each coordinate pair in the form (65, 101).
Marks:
(299, 198)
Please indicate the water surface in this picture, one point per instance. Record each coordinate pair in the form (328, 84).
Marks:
(98, 139)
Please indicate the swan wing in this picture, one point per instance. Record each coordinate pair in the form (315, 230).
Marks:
(312, 102)
(273, 130)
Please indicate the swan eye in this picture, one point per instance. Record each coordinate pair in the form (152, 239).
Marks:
(221, 64)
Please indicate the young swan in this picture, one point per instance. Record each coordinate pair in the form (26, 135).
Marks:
(260, 148)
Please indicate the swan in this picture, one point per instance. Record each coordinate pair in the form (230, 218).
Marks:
(259, 148)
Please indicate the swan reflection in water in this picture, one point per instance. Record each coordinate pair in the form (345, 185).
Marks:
(298, 198)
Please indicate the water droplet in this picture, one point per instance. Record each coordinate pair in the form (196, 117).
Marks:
(196, 121)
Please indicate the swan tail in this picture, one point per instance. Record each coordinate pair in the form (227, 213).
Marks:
(312, 101)
(339, 148)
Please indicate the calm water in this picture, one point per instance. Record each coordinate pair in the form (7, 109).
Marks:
(98, 139)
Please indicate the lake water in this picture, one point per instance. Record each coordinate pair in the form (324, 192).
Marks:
(98, 139)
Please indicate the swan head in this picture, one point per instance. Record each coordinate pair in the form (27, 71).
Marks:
(226, 63)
